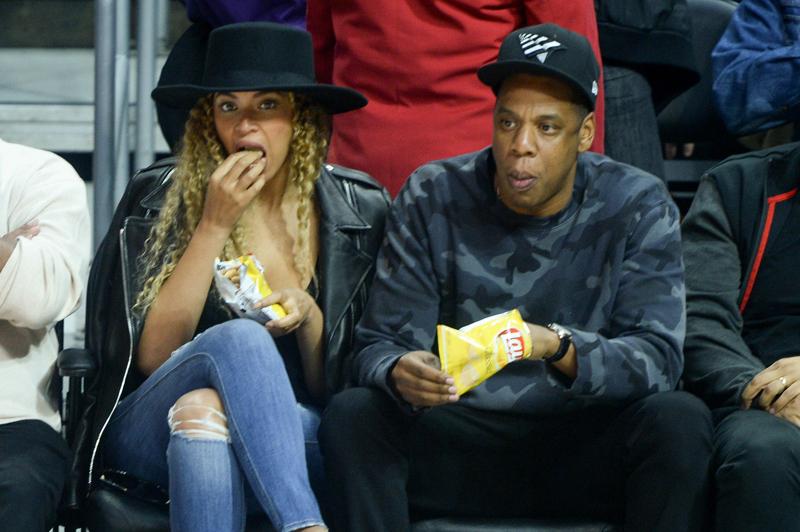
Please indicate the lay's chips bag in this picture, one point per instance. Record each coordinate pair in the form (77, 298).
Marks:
(477, 351)
(252, 288)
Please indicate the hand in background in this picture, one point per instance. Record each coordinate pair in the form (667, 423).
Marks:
(775, 387)
(671, 150)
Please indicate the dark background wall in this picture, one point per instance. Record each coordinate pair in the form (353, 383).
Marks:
(67, 23)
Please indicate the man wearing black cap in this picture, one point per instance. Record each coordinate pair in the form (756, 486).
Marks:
(589, 252)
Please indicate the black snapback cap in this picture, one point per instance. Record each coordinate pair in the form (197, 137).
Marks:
(546, 49)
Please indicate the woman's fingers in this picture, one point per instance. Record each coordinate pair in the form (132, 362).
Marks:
(284, 325)
(251, 174)
(296, 303)
(233, 165)
(232, 187)
(271, 299)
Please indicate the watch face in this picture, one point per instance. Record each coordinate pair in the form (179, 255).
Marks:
(565, 338)
(559, 330)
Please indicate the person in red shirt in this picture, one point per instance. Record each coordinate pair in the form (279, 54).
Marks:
(415, 62)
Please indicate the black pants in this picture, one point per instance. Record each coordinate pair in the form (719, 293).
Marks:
(645, 465)
(757, 473)
(33, 466)
(631, 124)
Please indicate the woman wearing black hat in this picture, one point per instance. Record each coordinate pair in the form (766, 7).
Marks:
(227, 412)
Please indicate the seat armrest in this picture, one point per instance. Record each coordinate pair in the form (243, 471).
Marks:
(75, 362)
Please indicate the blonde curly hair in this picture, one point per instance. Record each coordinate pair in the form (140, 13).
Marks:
(200, 154)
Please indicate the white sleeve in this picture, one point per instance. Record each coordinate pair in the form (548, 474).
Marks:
(43, 279)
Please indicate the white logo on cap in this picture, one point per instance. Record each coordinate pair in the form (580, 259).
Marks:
(594, 88)
(538, 45)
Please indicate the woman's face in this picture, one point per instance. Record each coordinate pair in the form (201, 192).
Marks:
(256, 120)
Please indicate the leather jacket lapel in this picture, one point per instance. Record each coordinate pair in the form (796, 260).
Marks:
(343, 266)
(155, 199)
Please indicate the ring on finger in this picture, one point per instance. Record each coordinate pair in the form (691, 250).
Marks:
(782, 380)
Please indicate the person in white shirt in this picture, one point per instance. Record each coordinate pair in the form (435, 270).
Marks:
(44, 256)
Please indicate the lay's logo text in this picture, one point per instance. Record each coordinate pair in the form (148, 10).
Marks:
(512, 343)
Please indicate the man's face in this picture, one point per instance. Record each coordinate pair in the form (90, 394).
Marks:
(538, 133)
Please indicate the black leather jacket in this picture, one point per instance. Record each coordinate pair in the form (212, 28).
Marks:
(352, 213)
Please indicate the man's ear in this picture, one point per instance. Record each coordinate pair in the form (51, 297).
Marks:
(586, 132)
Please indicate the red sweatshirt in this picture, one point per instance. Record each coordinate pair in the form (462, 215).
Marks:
(416, 62)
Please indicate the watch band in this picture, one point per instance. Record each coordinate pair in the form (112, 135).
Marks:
(565, 339)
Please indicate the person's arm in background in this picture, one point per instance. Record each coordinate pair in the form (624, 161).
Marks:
(320, 25)
(42, 278)
(718, 363)
(756, 65)
(578, 16)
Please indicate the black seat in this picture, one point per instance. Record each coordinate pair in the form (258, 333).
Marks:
(692, 117)
(517, 525)
(111, 510)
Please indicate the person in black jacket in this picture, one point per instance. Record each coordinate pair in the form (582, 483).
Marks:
(230, 408)
(741, 249)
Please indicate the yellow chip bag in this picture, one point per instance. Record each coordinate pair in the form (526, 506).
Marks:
(252, 288)
(477, 351)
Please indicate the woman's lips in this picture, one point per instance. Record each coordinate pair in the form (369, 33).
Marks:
(253, 146)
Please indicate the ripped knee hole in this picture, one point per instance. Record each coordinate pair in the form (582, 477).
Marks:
(198, 422)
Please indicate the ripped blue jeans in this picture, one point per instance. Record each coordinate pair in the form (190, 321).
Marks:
(210, 472)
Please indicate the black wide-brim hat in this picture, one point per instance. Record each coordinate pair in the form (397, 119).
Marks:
(260, 56)
(550, 50)
(183, 65)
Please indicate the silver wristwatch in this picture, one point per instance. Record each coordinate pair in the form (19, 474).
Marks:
(565, 339)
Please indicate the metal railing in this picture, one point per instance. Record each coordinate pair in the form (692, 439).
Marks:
(111, 159)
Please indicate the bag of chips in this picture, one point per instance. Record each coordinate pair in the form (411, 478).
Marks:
(477, 351)
(251, 289)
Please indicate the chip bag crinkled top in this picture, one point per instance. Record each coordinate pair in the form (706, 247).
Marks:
(252, 288)
(477, 351)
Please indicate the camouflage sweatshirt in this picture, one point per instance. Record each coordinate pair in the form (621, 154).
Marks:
(608, 268)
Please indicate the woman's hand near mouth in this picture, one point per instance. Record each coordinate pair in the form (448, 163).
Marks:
(232, 187)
